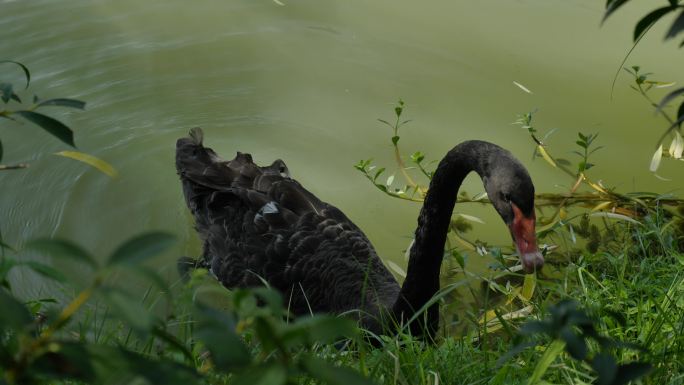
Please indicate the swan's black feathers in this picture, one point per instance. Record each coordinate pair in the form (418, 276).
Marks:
(259, 223)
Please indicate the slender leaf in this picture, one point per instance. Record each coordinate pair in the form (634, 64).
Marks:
(550, 354)
(51, 125)
(27, 73)
(46, 270)
(63, 102)
(680, 114)
(651, 18)
(655, 160)
(268, 374)
(333, 375)
(60, 248)
(91, 160)
(574, 344)
(677, 26)
(6, 92)
(141, 248)
(669, 97)
(612, 6)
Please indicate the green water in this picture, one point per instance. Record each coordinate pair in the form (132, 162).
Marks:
(305, 82)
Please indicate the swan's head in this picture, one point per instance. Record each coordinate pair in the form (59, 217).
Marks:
(511, 192)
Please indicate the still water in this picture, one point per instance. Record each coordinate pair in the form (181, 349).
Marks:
(305, 81)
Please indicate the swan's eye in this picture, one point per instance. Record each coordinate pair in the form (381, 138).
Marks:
(506, 197)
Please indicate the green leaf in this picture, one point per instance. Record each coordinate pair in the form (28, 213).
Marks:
(46, 270)
(651, 18)
(1, 151)
(140, 248)
(333, 375)
(91, 160)
(395, 140)
(537, 327)
(317, 329)
(680, 117)
(6, 92)
(51, 125)
(23, 67)
(65, 360)
(128, 309)
(59, 248)
(377, 173)
(14, 314)
(173, 342)
(677, 26)
(265, 374)
(612, 6)
(630, 372)
(550, 354)
(217, 331)
(63, 102)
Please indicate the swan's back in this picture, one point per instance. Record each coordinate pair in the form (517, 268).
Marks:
(259, 223)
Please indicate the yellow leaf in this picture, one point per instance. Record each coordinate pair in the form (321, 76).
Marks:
(601, 206)
(655, 161)
(528, 286)
(546, 155)
(91, 160)
(562, 213)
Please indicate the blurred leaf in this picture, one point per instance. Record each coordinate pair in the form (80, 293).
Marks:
(91, 160)
(6, 92)
(271, 298)
(680, 114)
(217, 331)
(317, 329)
(647, 21)
(630, 372)
(268, 336)
(612, 6)
(1, 151)
(173, 342)
(128, 309)
(677, 26)
(46, 270)
(333, 375)
(471, 218)
(14, 314)
(605, 367)
(51, 125)
(63, 102)
(395, 140)
(655, 160)
(669, 97)
(65, 360)
(536, 327)
(59, 248)
(265, 374)
(27, 73)
(141, 247)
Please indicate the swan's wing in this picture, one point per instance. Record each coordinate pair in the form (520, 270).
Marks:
(258, 223)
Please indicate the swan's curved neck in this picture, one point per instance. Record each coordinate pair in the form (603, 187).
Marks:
(422, 278)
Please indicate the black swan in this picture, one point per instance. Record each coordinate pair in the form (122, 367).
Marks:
(257, 223)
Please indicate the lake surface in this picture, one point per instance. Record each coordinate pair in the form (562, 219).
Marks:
(305, 81)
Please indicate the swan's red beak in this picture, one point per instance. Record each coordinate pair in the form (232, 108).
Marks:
(525, 238)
